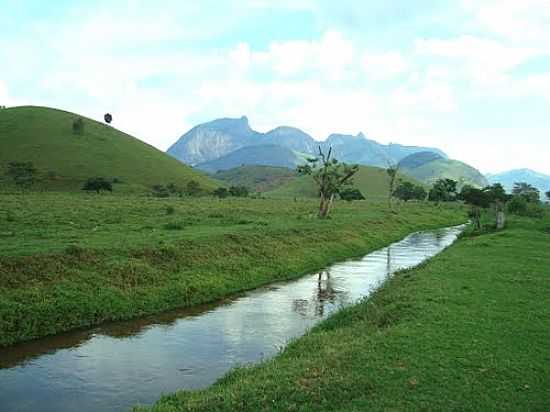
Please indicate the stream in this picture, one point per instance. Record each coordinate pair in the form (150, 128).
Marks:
(115, 366)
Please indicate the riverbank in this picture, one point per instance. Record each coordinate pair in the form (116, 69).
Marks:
(466, 331)
(69, 261)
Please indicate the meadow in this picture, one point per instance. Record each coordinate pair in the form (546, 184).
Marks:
(70, 260)
(468, 330)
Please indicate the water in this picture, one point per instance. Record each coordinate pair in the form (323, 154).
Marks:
(118, 365)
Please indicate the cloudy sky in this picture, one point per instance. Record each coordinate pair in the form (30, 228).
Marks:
(471, 77)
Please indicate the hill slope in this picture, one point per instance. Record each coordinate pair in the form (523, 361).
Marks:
(507, 179)
(256, 178)
(373, 183)
(428, 168)
(64, 159)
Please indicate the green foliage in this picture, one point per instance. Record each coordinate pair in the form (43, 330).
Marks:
(526, 191)
(409, 191)
(193, 188)
(444, 190)
(97, 184)
(23, 174)
(160, 191)
(221, 192)
(520, 206)
(238, 191)
(78, 126)
(256, 178)
(350, 194)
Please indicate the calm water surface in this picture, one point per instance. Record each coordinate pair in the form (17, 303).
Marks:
(115, 366)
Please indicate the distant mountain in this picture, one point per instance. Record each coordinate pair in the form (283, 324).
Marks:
(507, 179)
(65, 159)
(429, 167)
(266, 155)
(219, 138)
(256, 178)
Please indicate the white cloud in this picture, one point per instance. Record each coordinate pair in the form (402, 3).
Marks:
(384, 65)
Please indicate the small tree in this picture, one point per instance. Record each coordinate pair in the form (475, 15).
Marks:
(238, 191)
(78, 126)
(408, 191)
(331, 177)
(108, 118)
(498, 197)
(221, 192)
(97, 184)
(444, 190)
(23, 174)
(351, 194)
(392, 170)
(193, 188)
(478, 199)
(530, 193)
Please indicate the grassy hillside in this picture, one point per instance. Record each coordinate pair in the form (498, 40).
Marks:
(64, 159)
(468, 331)
(256, 178)
(371, 181)
(70, 260)
(431, 171)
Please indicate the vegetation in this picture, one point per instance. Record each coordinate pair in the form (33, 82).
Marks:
(467, 331)
(256, 178)
(524, 190)
(444, 190)
(238, 191)
(351, 194)
(221, 192)
(97, 184)
(330, 176)
(393, 173)
(480, 199)
(78, 126)
(22, 173)
(68, 260)
(409, 191)
(45, 137)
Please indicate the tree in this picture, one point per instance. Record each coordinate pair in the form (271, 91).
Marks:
(193, 188)
(331, 177)
(23, 174)
(78, 126)
(351, 194)
(408, 191)
(498, 197)
(221, 192)
(444, 190)
(478, 199)
(392, 170)
(530, 193)
(160, 191)
(548, 195)
(108, 118)
(97, 184)
(238, 191)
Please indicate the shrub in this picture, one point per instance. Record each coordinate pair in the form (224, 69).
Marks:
(238, 191)
(97, 184)
(517, 206)
(351, 194)
(160, 191)
(193, 188)
(170, 210)
(221, 192)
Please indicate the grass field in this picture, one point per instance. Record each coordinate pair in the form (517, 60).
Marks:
(373, 182)
(65, 160)
(468, 331)
(72, 260)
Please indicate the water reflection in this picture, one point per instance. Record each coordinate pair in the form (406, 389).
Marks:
(118, 365)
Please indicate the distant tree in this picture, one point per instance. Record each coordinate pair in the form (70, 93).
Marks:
(221, 192)
(23, 174)
(108, 118)
(174, 189)
(530, 193)
(239, 191)
(193, 188)
(2, 107)
(498, 198)
(331, 178)
(78, 126)
(478, 199)
(408, 191)
(97, 184)
(160, 191)
(444, 190)
(392, 170)
(351, 194)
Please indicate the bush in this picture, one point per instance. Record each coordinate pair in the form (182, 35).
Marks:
(170, 210)
(351, 194)
(221, 192)
(160, 191)
(193, 188)
(517, 206)
(97, 184)
(409, 191)
(238, 191)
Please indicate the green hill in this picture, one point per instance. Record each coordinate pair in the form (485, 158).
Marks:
(256, 178)
(373, 183)
(65, 159)
(428, 168)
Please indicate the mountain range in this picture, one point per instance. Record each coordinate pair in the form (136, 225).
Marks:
(508, 178)
(227, 143)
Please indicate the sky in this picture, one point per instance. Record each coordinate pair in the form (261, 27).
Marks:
(471, 77)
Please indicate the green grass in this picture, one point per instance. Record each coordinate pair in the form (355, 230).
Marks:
(468, 331)
(256, 178)
(65, 160)
(430, 172)
(373, 182)
(73, 260)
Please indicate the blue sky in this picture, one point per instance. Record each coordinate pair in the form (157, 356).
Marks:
(471, 77)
